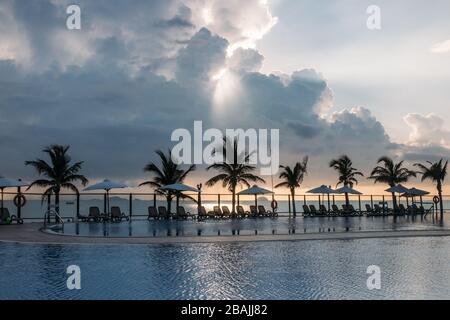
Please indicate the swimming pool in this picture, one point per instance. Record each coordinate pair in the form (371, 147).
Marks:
(242, 227)
(411, 268)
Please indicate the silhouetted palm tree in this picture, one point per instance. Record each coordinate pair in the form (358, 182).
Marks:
(168, 173)
(60, 172)
(293, 178)
(347, 173)
(391, 173)
(235, 171)
(436, 172)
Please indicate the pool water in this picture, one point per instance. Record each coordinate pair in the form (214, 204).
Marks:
(411, 268)
(263, 226)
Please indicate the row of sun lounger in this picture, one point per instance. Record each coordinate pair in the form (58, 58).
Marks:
(217, 213)
(95, 216)
(224, 212)
(311, 210)
(349, 210)
(161, 212)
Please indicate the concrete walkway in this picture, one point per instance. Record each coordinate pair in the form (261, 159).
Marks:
(30, 233)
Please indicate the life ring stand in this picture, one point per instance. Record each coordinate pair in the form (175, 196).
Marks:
(20, 201)
(274, 205)
(436, 200)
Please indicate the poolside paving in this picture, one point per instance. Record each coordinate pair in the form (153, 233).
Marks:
(31, 233)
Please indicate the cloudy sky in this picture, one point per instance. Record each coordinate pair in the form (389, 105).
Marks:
(137, 70)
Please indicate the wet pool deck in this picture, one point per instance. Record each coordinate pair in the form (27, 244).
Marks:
(31, 233)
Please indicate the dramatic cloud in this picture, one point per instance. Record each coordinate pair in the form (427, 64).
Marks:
(137, 70)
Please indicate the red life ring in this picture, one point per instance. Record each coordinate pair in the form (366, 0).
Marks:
(274, 204)
(20, 200)
(436, 199)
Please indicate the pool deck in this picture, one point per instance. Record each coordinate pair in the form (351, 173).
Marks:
(30, 233)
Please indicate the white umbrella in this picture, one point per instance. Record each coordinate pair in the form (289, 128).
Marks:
(180, 187)
(323, 190)
(106, 185)
(10, 183)
(255, 190)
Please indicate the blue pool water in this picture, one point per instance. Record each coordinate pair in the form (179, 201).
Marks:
(411, 268)
(263, 226)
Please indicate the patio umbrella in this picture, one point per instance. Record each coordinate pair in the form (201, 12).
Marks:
(323, 190)
(255, 190)
(397, 189)
(347, 191)
(9, 183)
(414, 192)
(179, 187)
(106, 185)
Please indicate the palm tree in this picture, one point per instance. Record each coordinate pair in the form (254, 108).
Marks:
(60, 173)
(347, 173)
(169, 173)
(391, 173)
(293, 178)
(235, 171)
(436, 172)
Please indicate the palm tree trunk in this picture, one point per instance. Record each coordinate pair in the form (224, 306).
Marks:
(441, 204)
(347, 200)
(57, 206)
(233, 201)
(293, 202)
(169, 203)
(394, 202)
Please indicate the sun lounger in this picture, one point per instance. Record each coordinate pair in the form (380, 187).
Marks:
(253, 212)
(182, 214)
(6, 218)
(152, 213)
(117, 215)
(226, 212)
(352, 210)
(378, 209)
(217, 212)
(202, 214)
(241, 213)
(263, 212)
(313, 210)
(163, 214)
(306, 211)
(323, 210)
(335, 210)
(94, 215)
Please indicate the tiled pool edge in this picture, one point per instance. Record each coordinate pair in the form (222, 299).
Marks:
(31, 234)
